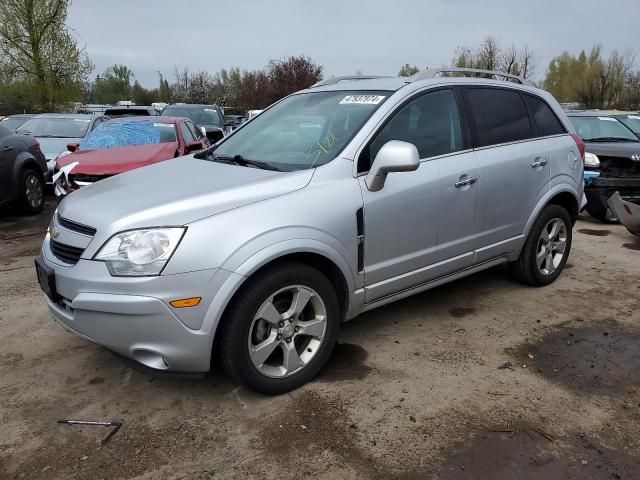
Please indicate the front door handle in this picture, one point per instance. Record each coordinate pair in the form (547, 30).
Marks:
(8, 148)
(463, 182)
(538, 163)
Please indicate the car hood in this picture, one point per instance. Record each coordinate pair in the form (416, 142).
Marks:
(614, 149)
(52, 147)
(111, 161)
(175, 192)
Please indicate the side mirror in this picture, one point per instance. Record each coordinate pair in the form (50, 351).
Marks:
(72, 147)
(193, 146)
(394, 156)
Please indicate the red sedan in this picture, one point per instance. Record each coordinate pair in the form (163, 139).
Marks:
(123, 144)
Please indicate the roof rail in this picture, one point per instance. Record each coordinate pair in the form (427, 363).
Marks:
(334, 80)
(434, 72)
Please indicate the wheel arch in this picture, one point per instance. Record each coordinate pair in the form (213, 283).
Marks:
(311, 252)
(22, 163)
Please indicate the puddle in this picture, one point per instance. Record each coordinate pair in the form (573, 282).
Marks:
(461, 311)
(593, 232)
(346, 363)
(602, 358)
(632, 246)
(528, 455)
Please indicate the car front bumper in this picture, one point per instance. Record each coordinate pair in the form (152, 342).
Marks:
(628, 213)
(132, 315)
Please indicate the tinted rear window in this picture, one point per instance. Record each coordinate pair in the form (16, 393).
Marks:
(546, 121)
(500, 116)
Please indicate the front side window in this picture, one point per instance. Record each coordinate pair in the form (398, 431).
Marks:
(187, 136)
(631, 121)
(304, 130)
(602, 129)
(431, 122)
(546, 121)
(499, 115)
(55, 127)
(114, 134)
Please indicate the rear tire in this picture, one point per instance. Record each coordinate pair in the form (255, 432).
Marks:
(280, 329)
(31, 192)
(546, 249)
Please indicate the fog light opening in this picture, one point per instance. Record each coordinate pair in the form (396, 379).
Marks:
(151, 359)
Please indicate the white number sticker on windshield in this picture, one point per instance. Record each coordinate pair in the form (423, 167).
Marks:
(362, 100)
(607, 119)
(163, 125)
(633, 117)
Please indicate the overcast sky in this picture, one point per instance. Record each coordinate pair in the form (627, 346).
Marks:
(345, 36)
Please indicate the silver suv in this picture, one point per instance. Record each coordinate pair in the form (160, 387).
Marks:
(336, 200)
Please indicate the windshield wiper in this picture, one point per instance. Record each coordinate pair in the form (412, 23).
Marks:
(610, 139)
(209, 154)
(240, 160)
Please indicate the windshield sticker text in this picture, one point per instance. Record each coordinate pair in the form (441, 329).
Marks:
(607, 119)
(633, 117)
(163, 125)
(362, 100)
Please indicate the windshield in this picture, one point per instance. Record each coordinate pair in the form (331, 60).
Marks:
(13, 122)
(200, 115)
(303, 131)
(127, 134)
(602, 128)
(631, 121)
(55, 127)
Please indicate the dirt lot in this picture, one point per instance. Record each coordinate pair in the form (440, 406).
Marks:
(414, 389)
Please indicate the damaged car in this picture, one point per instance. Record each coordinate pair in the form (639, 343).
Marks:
(612, 162)
(124, 144)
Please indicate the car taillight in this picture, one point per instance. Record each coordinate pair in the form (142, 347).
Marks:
(580, 144)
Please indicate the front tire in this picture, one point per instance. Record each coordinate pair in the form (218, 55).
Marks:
(280, 329)
(31, 192)
(546, 249)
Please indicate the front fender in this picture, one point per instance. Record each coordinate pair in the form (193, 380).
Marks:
(235, 279)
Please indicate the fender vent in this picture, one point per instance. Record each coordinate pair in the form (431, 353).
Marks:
(360, 231)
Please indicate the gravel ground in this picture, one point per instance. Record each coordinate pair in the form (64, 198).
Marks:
(414, 390)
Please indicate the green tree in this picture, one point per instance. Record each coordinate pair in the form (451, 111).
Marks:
(40, 51)
(114, 84)
(408, 70)
(143, 96)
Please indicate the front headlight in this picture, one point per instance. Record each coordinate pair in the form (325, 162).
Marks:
(591, 160)
(140, 252)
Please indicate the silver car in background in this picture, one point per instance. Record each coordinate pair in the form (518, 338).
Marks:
(336, 200)
(55, 131)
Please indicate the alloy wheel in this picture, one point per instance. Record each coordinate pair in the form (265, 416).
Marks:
(33, 191)
(551, 246)
(287, 331)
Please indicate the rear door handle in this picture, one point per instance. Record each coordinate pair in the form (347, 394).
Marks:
(463, 182)
(539, 163)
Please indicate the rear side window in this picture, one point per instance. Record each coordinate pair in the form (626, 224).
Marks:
(543, 116)
(500, 116)
(187, 136)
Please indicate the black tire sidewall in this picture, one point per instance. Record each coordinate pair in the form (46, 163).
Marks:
(23, 191)
(550, 212)
(238, 318)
